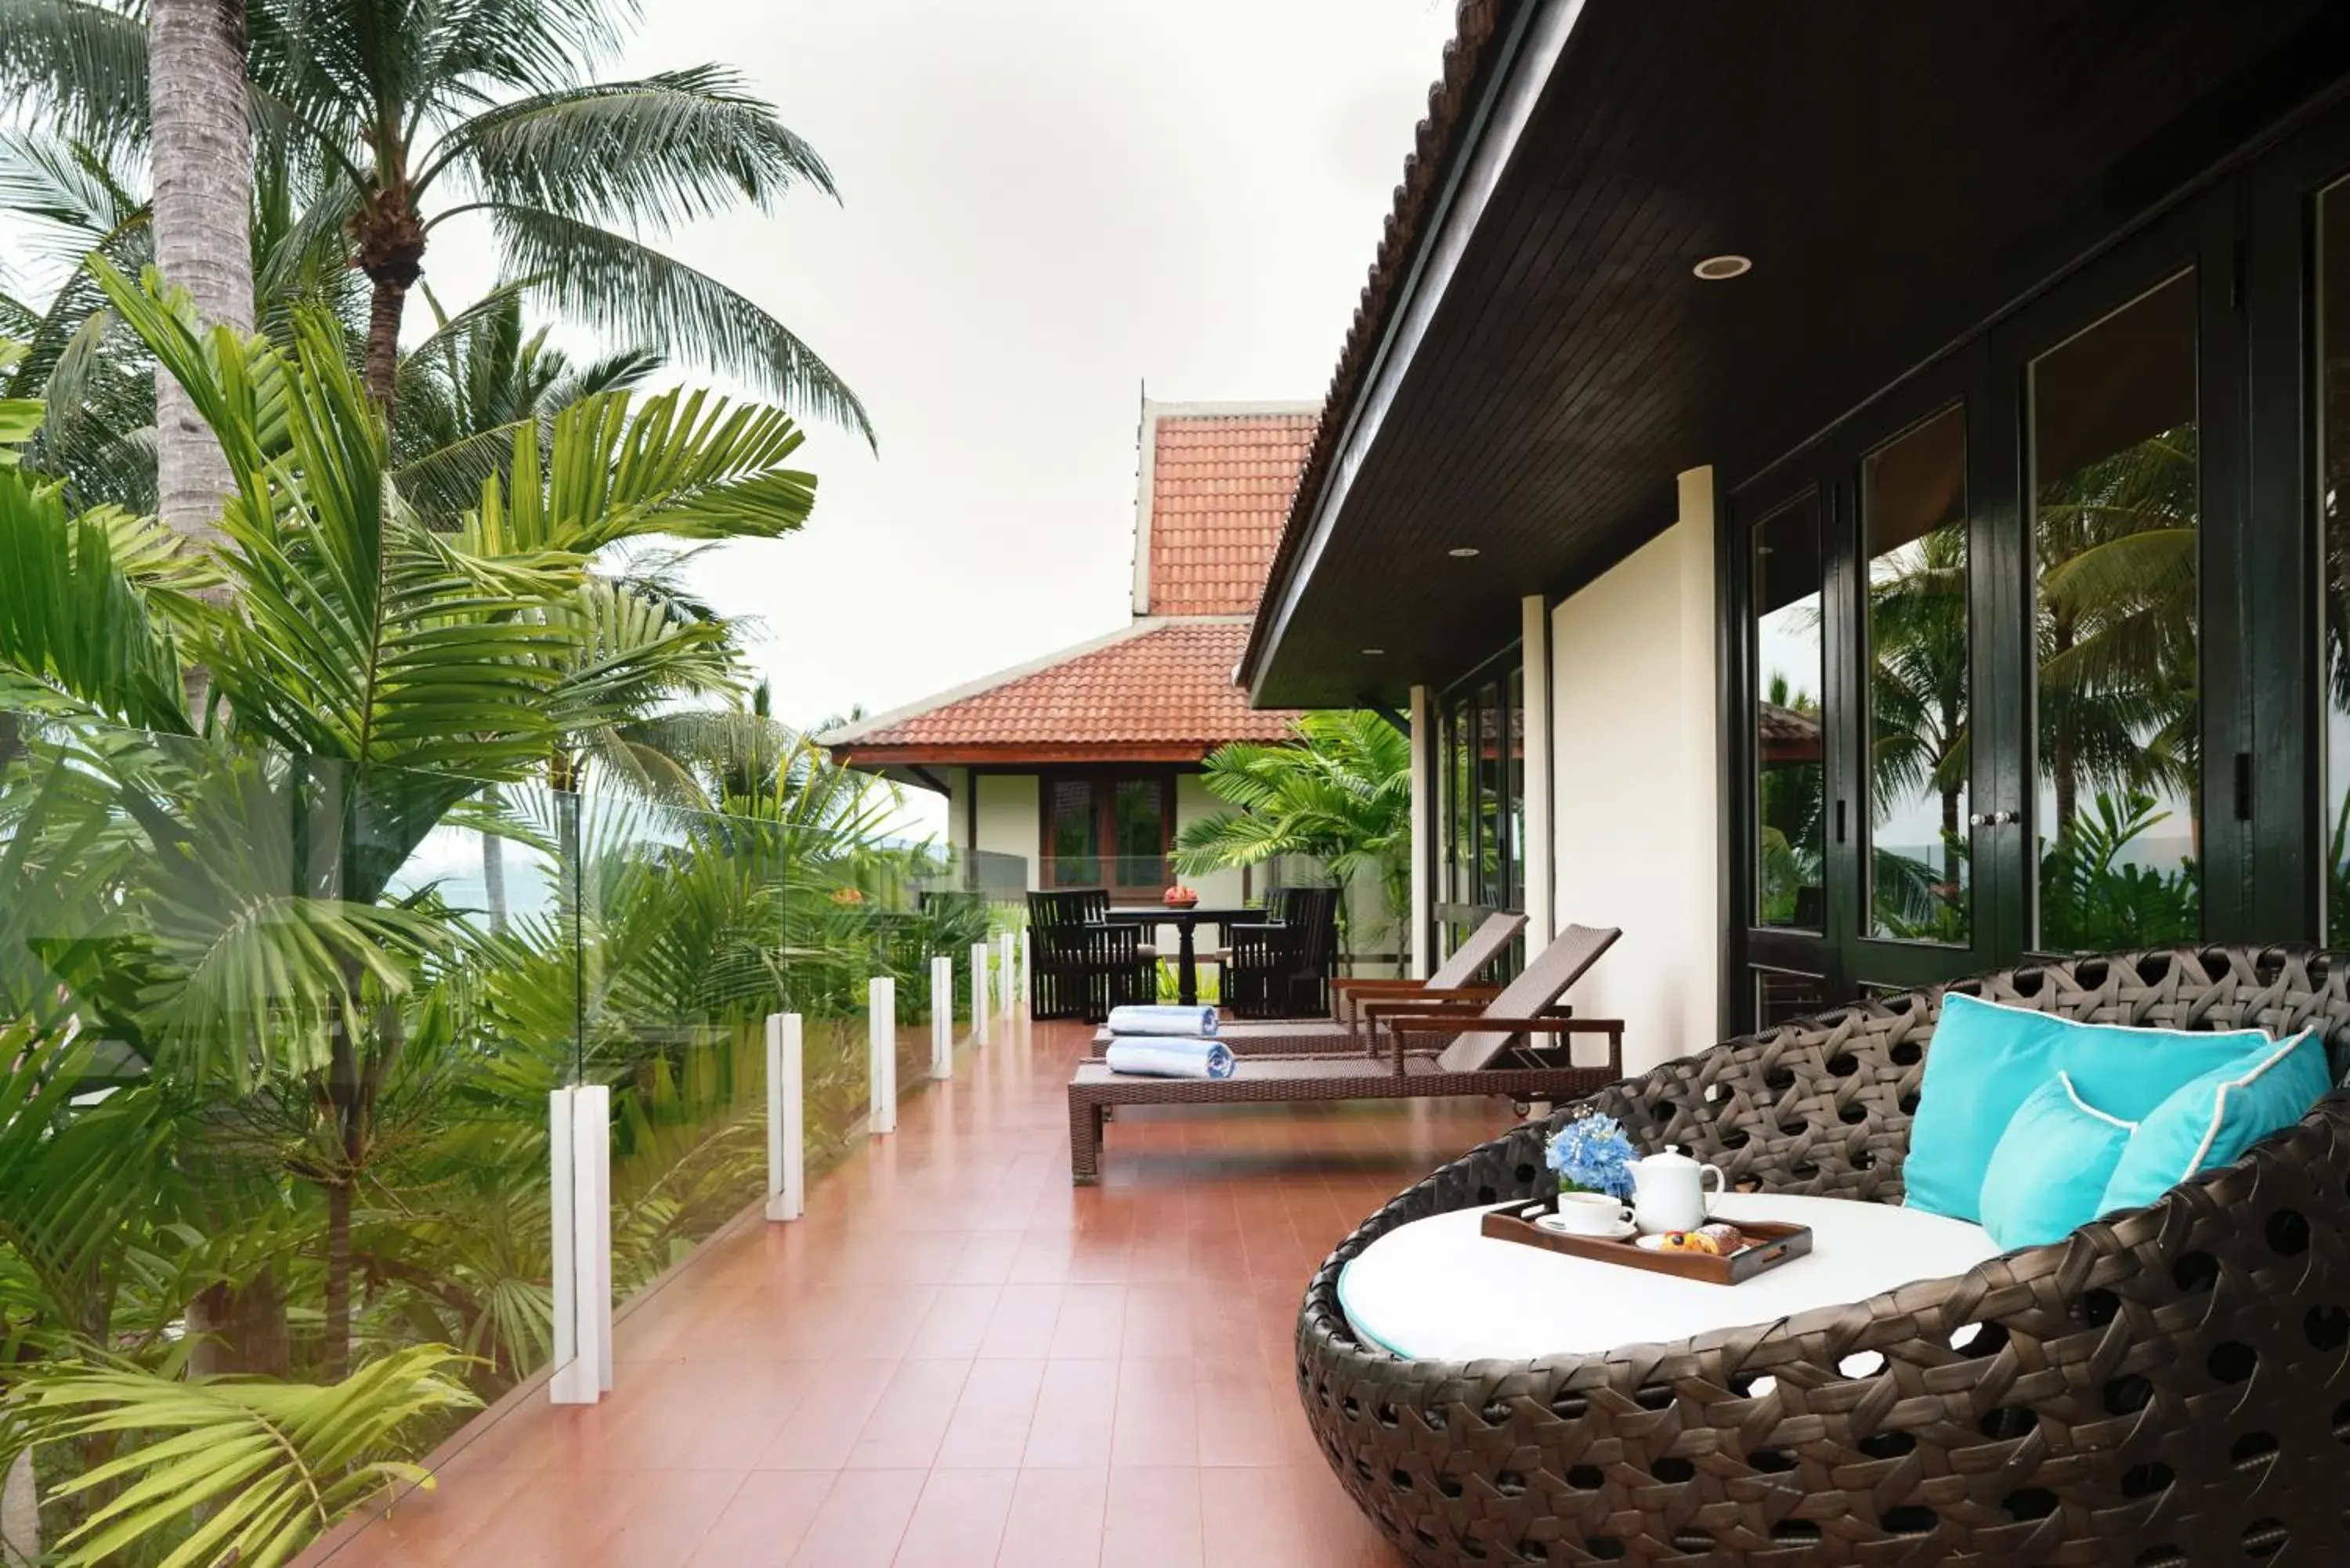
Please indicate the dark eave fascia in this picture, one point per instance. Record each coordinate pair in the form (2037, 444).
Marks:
(1528, 48)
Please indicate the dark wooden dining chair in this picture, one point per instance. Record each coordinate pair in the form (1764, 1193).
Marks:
(1080, 965)
(1282, 967)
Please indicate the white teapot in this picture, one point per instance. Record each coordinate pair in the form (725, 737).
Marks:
(1668, 1192)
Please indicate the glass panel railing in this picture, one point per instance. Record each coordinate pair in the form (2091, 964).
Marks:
(274, 1101)
(281, 1033)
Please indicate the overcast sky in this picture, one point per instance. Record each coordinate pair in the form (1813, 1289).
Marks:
(1045, 204)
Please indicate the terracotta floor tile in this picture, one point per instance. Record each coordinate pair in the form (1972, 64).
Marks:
(991, 1420)
(906, 1426)
(1153, 1519)
(1091, 1321)
(861, 1520)
(959, 1522)
(1055, 1520)
(1158, 1420)
(821, 1434)
(1021, 1324)
(1076, 1408)
(958, 1358)
(956, 1324)
(766, 1520)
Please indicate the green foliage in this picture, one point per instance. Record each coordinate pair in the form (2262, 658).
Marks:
(2093, 899)
(257, 1469)
(1339, 793)
(251, 1060)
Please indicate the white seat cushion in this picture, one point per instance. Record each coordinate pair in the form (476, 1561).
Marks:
(1438, 1289)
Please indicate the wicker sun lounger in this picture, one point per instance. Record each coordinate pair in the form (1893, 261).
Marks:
(1490, 1052)
(1536, 990)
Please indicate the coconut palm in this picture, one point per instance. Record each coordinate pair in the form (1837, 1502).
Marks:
(411, 114)
(203, 180)
(2117, 637)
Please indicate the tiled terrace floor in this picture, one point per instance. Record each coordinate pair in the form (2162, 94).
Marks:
(957, 1358)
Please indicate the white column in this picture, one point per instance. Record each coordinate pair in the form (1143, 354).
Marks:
(1005, 979)
(881, 1054)
(1423, 828)
(563, 1236)
(980, 1009)
(1699, 768)
(942, 1016)
(786, 1118)
(580, 1128)
(1541, 846)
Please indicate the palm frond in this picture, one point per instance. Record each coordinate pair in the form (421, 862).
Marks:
(645, 154)
(257, 1469)
(650, 297)
(84, 63)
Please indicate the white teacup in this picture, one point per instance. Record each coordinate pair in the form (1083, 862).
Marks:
(1591, 1214)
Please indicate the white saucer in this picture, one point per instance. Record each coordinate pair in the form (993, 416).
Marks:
(1550, 1222)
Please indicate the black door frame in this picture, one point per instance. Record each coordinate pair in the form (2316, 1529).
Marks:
(2255, 550)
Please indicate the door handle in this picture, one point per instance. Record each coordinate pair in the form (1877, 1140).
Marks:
(1993, 818)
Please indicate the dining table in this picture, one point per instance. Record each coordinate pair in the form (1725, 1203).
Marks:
(1187, 919)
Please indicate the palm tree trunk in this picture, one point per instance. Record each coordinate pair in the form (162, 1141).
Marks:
(493, 872)
(20, 1513)
(389, 303)
(240, 1328)
(203, 241)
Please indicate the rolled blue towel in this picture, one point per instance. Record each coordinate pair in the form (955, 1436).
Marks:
(1164, 1056)
(1190, 1022)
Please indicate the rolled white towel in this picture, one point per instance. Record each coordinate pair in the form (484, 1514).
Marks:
(1187, 1021)
(1162, 1056)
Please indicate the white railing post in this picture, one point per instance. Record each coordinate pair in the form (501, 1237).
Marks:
(1022, 947)
(981, 1003)
(1006, 977)
(881, 1053)
(786, 1118)
(579, 1141)
(563, 1234)
(942, 1016)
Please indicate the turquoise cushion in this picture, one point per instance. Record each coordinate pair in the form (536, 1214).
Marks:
(1986, 1058)
(2048, 1174)
(2210, 1121)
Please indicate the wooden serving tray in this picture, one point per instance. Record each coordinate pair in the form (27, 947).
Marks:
(1768, 1245)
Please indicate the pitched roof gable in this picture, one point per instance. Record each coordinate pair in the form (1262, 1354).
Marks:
(1214, 489)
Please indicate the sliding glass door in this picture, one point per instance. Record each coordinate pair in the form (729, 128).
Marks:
(1987, 649)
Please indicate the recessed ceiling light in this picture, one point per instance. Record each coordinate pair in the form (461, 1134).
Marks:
(1462, 552)
(1374, 652)
(1714, 269)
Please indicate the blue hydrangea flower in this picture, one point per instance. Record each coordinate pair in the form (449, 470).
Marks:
(1591, 1154)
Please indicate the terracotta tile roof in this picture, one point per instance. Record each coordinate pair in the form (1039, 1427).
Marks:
(1479, 28)
(1219, 489)
(1159, 691)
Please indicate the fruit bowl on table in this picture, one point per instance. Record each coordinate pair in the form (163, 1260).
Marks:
(1180, 898)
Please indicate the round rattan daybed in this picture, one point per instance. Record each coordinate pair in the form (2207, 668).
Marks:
(2167, 1386)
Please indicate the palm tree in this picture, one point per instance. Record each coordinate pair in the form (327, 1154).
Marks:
(400, 668)
(1340, 792)
(1920, 733)
(203, 181)
(2117, 624)
(404, 115)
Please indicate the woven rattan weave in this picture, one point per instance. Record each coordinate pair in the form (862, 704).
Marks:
(2167, 1386)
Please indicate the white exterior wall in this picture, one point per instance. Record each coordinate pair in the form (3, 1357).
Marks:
(1008, 816)
(1534, 649)
(1192, 802)
(1636, 797)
